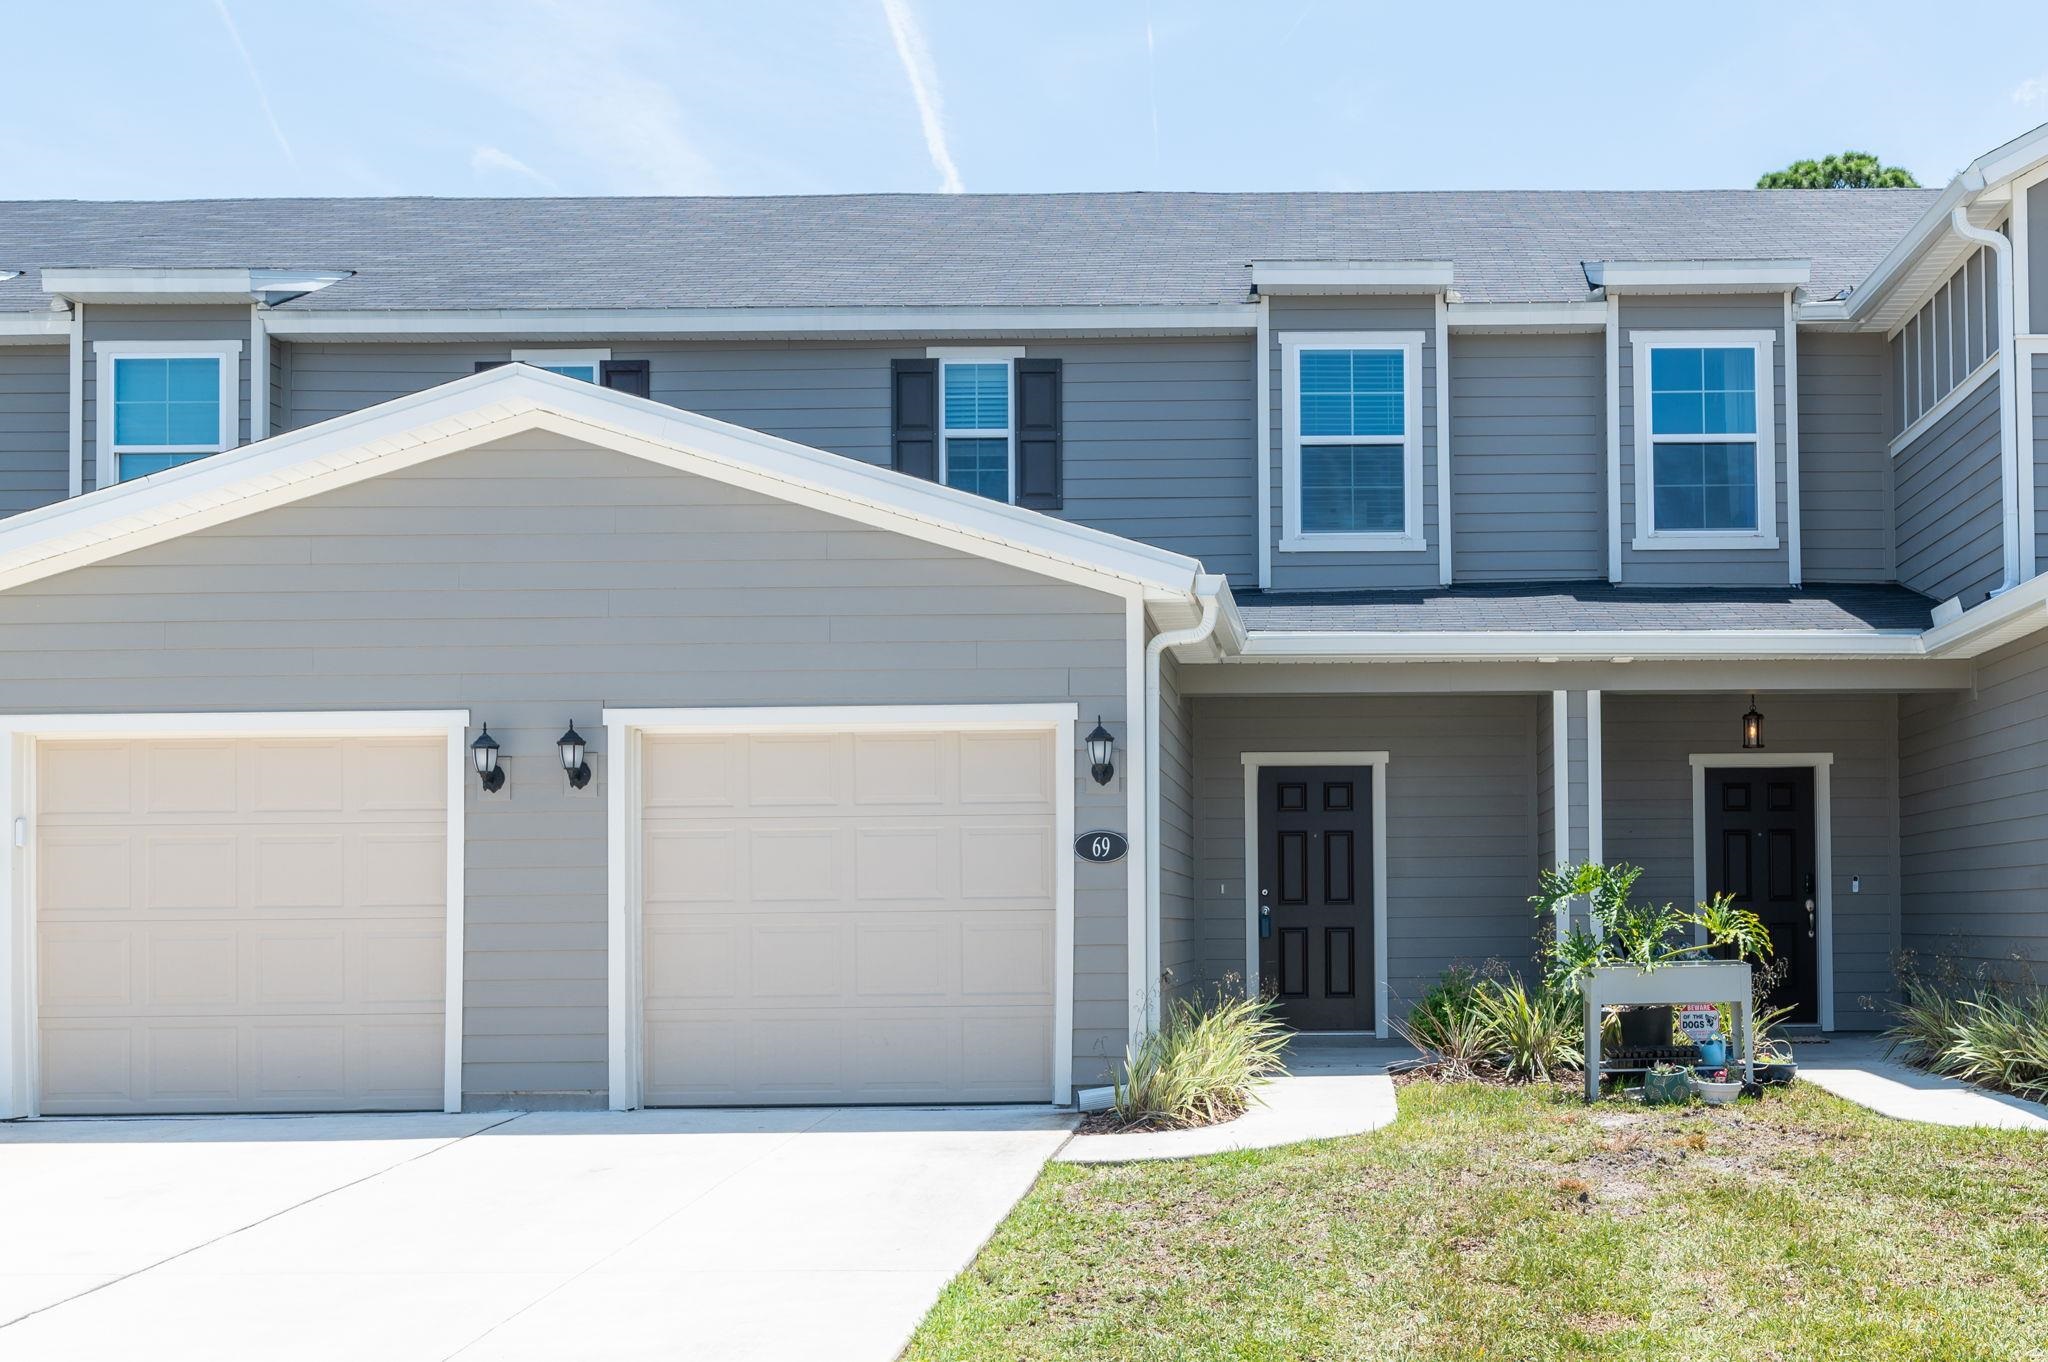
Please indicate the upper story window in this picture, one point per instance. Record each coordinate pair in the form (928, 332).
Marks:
(1706, 464)
(161, 405)
(975, 430)
(1352, 456)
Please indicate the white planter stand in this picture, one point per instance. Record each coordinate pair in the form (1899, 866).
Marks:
(1692, 981)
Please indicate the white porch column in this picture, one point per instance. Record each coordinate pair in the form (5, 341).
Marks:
(1575, 833)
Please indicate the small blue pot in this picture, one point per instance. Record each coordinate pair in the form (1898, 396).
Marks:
(1713, 1053)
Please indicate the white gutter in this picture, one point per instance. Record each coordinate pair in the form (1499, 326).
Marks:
(2008, 397)
(259, 375)
(1792, 511)
(1209, 589)
(1532, 645)
(925, 323)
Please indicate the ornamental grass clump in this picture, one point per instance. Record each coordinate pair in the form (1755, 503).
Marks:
(1990, 1033)
(1493, 1026)
(1202, 1063)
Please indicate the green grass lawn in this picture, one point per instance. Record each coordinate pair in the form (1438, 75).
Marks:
(1519, 1223)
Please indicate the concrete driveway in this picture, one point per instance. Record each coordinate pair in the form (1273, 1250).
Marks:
(798, 1233)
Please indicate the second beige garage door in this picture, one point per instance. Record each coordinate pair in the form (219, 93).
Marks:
(252, 924)
(848, 917)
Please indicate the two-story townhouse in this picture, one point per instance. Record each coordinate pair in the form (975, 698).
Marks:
(675, 651)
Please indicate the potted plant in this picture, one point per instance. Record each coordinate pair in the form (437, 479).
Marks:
(1667, 1085)
(1634, 940)
(1718, 1088)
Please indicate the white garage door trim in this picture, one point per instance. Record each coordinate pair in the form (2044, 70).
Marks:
(19, 734)
(623, 731)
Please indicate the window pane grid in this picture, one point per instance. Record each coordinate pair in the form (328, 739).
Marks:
(977, 397)
(1353, 489)
(173, 401)
(1704, 438)
(1352, 393)
(979, 465)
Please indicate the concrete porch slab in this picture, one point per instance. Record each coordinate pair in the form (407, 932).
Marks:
(1855, 1068)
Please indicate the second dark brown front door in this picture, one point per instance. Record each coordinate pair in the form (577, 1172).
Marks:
(1315, 894)
(1760, 848)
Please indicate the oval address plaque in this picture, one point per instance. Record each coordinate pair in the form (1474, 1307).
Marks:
(1101, 846)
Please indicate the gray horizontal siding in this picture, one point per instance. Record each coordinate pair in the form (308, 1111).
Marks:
(1946, 489)
(1845, 493)
(535, 582)
(1325, 571)
(1699, 567)
(2040, 380)
(1647, 742)
(1528, 458)
(1973, 817)
(1461, 820)
(1157, 432)
(35, 414)
(155, 323)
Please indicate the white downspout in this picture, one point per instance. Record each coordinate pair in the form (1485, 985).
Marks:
(1262, 438)
(1209, 590)
(2008, 396)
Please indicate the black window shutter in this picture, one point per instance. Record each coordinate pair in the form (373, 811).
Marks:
(1039, 478)
(626, 376)
(914, 422)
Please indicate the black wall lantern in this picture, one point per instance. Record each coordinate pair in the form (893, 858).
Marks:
(485, 752)
(1752, 729)
(1101, 748)
(573, 760)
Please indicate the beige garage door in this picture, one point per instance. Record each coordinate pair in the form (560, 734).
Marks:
(241, 924)
(848, 917)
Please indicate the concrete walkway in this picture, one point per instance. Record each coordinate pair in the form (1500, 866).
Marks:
(778, 1234)
(1335, 1086)
(1855, 1068)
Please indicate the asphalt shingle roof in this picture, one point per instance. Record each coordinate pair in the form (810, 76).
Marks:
(1587, 606)
(887, 250)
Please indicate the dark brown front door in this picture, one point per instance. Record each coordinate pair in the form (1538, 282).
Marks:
(1760, 849)
(1315, 894)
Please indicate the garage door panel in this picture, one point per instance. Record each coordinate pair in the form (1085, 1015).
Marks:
(231, 933)
(188, 778)
(840, 921)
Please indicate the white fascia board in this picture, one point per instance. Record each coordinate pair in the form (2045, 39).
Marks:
(921, 323)
(1576, 646)
(1588, 316)
(19, 327)
(515, 397)
(1698, 276)
(1993, 623)
(1351, 276)
(123, 285)
(2000, 164)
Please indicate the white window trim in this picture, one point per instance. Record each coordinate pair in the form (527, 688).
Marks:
(1765, 536)
(624, 728)
(596, 359)
(20, 1079)
(106, 457)
(1004, 355)
(1292, 539)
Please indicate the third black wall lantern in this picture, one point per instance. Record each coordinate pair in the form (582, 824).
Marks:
(1752, 729)
(573, 760)
(1101, 751)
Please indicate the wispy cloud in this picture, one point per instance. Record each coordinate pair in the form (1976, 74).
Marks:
(2031, 91)
(494, 160)
(924, 88)
(262, 96)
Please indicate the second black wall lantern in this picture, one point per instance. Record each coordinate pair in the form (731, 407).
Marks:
(573, 760)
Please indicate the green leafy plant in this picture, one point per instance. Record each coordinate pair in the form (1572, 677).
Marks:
(1992, 1031)
(1447, 1023)
(1535, 1034)
(1203, 1062)
(1645, 935)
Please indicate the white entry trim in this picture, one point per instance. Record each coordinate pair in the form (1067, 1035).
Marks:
(1823, 850)
(1378, 761)
(19, 733)
(624, 729)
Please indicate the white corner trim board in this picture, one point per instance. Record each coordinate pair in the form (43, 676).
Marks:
(1822, 764)
(19, 734)
(1378, 762)
(624, 729)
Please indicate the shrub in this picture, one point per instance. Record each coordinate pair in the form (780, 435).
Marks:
(1991, 1033)
(1202, 1063)
(1534, 1034)
(1447, 1023)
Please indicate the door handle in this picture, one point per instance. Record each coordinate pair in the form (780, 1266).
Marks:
(1812, 907)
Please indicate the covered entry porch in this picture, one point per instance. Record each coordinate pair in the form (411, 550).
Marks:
(1353, 830)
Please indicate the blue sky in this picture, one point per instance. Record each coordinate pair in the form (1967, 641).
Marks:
(201, 98)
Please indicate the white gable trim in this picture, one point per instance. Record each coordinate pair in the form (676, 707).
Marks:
(514, 398)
